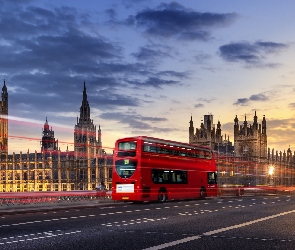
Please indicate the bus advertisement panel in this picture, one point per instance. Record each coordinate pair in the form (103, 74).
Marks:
(149, 169)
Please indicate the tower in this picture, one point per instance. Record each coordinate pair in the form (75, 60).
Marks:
(48, 142)
(250, 140)
(85, 144)
(87, 148)
(4, 122)
(208, 136)
(191, 131)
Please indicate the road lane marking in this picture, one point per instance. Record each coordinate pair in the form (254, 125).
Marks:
(209, 233)
(54, 219)
(132, 222)
(173, 243)
(40, 236)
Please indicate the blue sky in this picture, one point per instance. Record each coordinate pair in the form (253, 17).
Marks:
(148, 66)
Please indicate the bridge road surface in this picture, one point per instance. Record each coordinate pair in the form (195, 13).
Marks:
(265, 222)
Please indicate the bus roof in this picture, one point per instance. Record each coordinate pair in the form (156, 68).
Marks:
(158, 140)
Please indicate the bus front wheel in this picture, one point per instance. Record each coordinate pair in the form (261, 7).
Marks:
(162, 196)
(203, 193)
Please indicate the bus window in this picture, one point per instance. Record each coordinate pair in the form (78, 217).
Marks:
(183, 153)
(127, 145)
(169, 176)
(162, 149)
(208, 154)
(201, 154)
(149, 147)
(160, 178)
(181, 176)
(191, 153)
(197, 153)
(212, 178)
(157, 176)
(173, 177)
(166, 176)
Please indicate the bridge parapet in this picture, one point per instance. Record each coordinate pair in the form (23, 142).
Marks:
(27, 198)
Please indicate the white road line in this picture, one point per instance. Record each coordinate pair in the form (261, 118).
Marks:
(173, 243)
(184, 240)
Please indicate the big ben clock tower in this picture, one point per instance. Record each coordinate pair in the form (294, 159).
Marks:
(4, 123)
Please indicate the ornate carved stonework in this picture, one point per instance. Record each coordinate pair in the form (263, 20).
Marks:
(250, 140)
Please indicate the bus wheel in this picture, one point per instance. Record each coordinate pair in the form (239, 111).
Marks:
(162, 196)
(203, 193)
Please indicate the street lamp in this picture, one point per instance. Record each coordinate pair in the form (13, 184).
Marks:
(271, 170)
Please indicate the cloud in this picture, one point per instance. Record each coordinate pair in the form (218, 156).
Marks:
(271, 47)
(133, 120)
(49, 45)
(250, 53)
(132, 3)
(157, 82)
(242, 101)
(257, 97)
(199, 105)
(152, 81)
(175, 21)
(47, 53)
(111, 13)
(201, 58)
(175, 74)
(206, 100)
(149, 54)
(107, 99)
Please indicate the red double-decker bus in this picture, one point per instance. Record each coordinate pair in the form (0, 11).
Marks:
(149, 169)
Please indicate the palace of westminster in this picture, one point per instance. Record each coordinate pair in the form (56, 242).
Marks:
(244, 162)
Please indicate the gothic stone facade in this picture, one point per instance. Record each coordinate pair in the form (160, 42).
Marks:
(52, 169)
(208, 136)
(250, 141)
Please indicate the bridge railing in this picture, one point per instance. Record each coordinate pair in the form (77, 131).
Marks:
(253, 191)
(26, 198)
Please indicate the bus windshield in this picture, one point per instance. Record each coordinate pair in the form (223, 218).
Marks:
(126, 167)
(127, 145)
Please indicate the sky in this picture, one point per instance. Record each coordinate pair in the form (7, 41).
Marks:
(148, 66)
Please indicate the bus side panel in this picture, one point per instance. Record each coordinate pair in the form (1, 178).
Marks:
(174, 191)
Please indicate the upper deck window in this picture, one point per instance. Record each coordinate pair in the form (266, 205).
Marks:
(176, 150)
